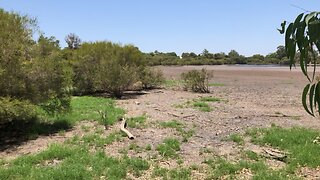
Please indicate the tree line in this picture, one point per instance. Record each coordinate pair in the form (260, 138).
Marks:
(278, 57)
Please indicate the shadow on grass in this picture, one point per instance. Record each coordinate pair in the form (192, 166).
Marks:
(126, 95)
(15, 133)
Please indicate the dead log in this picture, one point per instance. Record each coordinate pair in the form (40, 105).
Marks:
(123, 126)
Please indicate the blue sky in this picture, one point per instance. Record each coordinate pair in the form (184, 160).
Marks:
(248, 26)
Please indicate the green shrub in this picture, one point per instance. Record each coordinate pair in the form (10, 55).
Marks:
(196, 81)
(16, 110)
(151, 78)
(106, 67)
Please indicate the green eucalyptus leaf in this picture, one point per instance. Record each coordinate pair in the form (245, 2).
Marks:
(283, 26)
(304, 99)
(310, 16)
(317, 96)
(311, 95)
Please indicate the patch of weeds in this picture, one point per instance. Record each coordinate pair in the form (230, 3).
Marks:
(99, 130)
(169, 148)
(178, 173)
(134, 147)
(299, 142)
(160, 172)
(210, 99)
(222, 168)
(113, 137)
(172, 124)
(205, 150)
(88, 108)
(237, 139)
(123, 151)
(186, 134)
(202, 106)
(136, 122)
(180, 127)
(95, 140)
(85, 128)
(136, 165)
(216, 84)
(179, 161)
(194, 167)
(76, 162)
(252, 155)
(148, 147)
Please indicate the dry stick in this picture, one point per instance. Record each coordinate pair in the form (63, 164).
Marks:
(172, 114)
(275, 154)
(123, 126)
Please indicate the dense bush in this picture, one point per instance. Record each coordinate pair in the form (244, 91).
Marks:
(30, 71)
(106, 67)
(196, 81)
(16, 110)
(151, 78)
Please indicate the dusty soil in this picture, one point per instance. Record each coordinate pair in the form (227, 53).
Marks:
(252, 97)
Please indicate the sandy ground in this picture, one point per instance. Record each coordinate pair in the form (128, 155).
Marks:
(252, 97)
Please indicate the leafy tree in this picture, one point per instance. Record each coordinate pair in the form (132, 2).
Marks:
(281, 52)
(30, 72)
(303, 35)
(15, 51)
(205, 53)
(46, 45)
(73, 41)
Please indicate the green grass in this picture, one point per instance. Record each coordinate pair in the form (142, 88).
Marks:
(210, 99)
(252, 155)
(148, 147)
(202, 106)
(299, 142)
(65, 162)
(237, 139)
(177, 173)
(180, 127)
(169, 148)
(216, 84)
(137, 122)
(93, 108)
(95, 140)
(228, 170)
(172, 124)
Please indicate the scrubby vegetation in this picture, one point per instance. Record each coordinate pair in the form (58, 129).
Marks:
(197, 81)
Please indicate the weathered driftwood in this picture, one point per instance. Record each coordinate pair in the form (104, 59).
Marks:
(123, 126)
(275, 154)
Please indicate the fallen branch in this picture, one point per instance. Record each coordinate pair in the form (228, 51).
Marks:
(123, 126)
(275, 154)
(172, 114)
